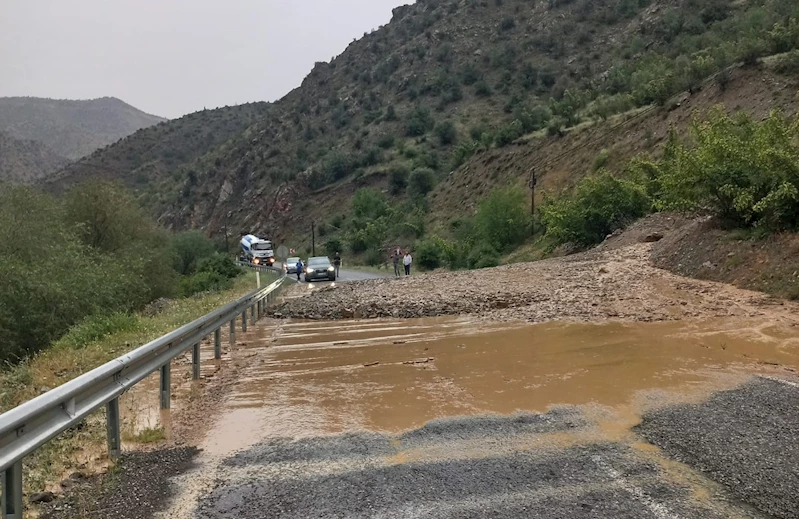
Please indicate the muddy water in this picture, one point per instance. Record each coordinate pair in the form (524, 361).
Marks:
(312, 378)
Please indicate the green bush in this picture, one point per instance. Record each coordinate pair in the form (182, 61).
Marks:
(446, 132)
(431, 253)
(189, 248)
(503, 219)
(369, 203)
(332, 246)
(419, 122)
(96, 327)
(483, 255)
(481, 89)
(399, 179)
(743, 171)
(204, 282)
(220, 264)
(421, 181)
(598, 206)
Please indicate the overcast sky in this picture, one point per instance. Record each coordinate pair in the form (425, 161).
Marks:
(172, 57)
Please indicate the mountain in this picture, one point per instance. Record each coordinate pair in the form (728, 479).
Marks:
(25, 161)
(465, 95)
(161, 152)
(69, 128)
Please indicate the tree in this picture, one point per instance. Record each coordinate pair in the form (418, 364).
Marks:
(189, 248)
(502, 219)
(421, 181)
(369, 203)
(419, 122)
(446, 132)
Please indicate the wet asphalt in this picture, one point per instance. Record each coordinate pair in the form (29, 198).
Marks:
(499, 467)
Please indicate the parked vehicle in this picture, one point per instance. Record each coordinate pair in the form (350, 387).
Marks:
(290, 265)
(257, 250)
(320, 268)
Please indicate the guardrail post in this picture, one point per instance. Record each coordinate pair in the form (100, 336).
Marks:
(112, 428)
(232, 332)
(166, 385)
(252, 314)
(218, 343)
(12, 491)
(195, 361)
(244, 320)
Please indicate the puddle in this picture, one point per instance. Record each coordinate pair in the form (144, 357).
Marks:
(316, 378)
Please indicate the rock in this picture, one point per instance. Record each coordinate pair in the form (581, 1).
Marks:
(42, 497)
(375, 363)
(603, 270)
(708, 265)
(653, 237)
(347, 313)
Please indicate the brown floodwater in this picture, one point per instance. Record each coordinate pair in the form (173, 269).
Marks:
(312, 378)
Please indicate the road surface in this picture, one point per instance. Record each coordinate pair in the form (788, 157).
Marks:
(344, 275)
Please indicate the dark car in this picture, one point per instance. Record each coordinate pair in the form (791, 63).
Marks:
(320, 268)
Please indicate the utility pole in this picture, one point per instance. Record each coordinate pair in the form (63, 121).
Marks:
(533, 181)
(313, 240)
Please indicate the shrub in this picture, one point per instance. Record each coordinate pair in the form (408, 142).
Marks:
(369, 203)
(745, 172)
(446, 132)
(419, 122)
(399, 179)
(332, 246)
(189, 248)
(204, 282)
(421, 181)
(599, 205)
(96, 327)
(509, 133)
(502, 219)
(600, 160)
(789, 64)
(220, 264)
(483, 256)
(507, 24)
(430, 254)
(481, 89)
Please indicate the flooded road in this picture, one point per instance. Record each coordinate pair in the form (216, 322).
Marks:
(323, 382)
(315, 378)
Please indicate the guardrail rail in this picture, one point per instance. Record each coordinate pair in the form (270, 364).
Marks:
(32, 424)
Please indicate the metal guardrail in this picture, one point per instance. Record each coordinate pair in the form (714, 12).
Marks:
(32, 424)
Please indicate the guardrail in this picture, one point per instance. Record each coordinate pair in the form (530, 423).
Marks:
(32, 424)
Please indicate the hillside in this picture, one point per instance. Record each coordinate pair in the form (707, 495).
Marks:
(71, 129)
(25, 161)
(466, 96)
(161, 152)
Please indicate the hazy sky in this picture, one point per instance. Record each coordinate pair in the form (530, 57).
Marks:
(171, 57)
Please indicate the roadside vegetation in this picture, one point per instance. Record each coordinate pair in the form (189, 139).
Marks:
(85, 346)
(743, 172)
(89, 260)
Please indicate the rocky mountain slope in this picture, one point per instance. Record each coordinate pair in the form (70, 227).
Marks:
(72, 129)
(26, 161)
(474, 93)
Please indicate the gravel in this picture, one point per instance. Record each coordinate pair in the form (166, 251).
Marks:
(457, 468)
(747, 439)
(135, 489)
(618, 283)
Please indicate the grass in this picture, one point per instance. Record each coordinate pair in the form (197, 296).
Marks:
(83, 348)
(148, 435)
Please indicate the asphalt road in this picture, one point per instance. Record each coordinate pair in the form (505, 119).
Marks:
(344, 276)
(498, 467)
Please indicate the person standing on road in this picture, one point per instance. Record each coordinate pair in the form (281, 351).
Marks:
(299, 268)
(407, 261)
(396, 260)
(337, 262)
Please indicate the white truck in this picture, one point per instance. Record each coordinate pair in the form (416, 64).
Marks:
(257, 251)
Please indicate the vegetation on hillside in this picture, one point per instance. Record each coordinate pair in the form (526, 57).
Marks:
(25, 161)
(71, 129)
(90, 255)
(744, 172)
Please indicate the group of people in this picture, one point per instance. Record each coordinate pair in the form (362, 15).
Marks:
(406, 259)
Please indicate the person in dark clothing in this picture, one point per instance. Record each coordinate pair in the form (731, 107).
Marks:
(337, 262)
(396, 260)
(300, 268)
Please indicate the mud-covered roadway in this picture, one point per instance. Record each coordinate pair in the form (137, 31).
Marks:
(593, 386)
